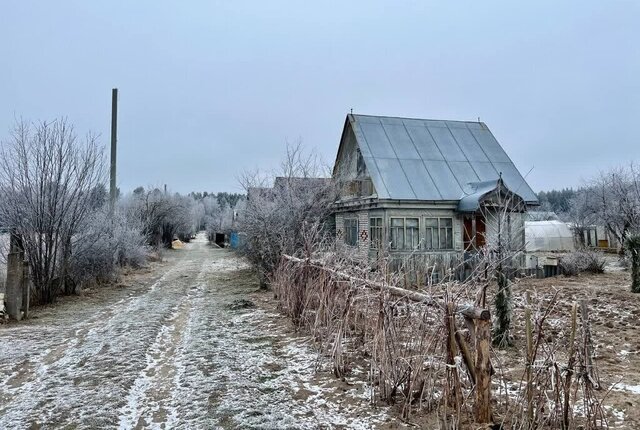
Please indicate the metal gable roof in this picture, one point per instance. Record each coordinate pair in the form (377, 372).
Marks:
(420, 159)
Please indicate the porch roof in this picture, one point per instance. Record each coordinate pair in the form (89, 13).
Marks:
(471, 202)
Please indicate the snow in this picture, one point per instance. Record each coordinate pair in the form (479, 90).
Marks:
(635, 389)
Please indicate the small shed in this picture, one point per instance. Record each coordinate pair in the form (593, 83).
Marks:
(541, 236)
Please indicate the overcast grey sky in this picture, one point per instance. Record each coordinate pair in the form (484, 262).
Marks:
(210, 88)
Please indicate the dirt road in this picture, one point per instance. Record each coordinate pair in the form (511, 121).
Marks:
(167, 351)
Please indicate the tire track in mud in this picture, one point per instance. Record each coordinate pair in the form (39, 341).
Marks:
(75, 371)
(149, 401)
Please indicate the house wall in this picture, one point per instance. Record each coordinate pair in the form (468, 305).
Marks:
(364, 239)
(350, 164)
(426, 265)
(361, 250)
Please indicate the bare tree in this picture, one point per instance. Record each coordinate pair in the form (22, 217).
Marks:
(48, 179)
(583, 212)
(276, 218)
(163, 216)
(633, 247)
(618, 196)
(503, 212)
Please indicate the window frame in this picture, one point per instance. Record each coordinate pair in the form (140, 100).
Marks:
(376, 232)
(348, 225)
(435, 233)
(405, 236)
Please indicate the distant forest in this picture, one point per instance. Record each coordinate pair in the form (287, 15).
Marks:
(224, 199)
(557, 201)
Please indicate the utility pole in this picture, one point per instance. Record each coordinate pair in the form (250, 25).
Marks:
(114, 134)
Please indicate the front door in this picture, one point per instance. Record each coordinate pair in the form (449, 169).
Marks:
(475, 229)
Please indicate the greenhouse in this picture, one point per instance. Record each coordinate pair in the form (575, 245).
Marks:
(548, 236)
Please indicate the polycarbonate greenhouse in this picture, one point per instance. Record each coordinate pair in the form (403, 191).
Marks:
(548, 236)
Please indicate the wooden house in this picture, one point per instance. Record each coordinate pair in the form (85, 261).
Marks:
(418, 187)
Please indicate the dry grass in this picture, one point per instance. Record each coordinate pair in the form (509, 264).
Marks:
(546, 383)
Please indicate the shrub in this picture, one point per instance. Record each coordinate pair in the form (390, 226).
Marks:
(582, 261)
(103, 246)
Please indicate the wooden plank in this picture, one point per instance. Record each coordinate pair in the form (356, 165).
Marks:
(469, 311)
(483, 372)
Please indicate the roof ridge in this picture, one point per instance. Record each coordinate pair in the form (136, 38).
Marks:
(414, 118)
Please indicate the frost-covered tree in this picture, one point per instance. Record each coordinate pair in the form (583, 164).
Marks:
(617, 193)
(163, 216)
(221, 212)
(50, 181)
(633, 248)
(503, 213)
(582, 212)
(279, 210)
(555, 200)
(104, 243)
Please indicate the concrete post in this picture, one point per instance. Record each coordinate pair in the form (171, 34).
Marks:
(15, 272)
(114, 140)
(26, 289)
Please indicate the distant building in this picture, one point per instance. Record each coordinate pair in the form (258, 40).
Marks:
(596, 236)
(424, 187)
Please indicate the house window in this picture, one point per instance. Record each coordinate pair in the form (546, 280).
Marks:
(431, 234)
(405, 233)
(351, 231)
(375, 232)
(438, 233)
(397, 233)
(412, 227)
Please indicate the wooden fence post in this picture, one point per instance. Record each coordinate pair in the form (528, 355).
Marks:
(529, 360)
(591, 370)
(483, 371)
(570, 367)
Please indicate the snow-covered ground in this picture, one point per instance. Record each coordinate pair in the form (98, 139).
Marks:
(170, 354)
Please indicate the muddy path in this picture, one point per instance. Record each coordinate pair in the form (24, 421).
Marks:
(167, 351)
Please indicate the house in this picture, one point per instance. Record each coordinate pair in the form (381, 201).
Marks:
(302, 187)
(424, 187)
